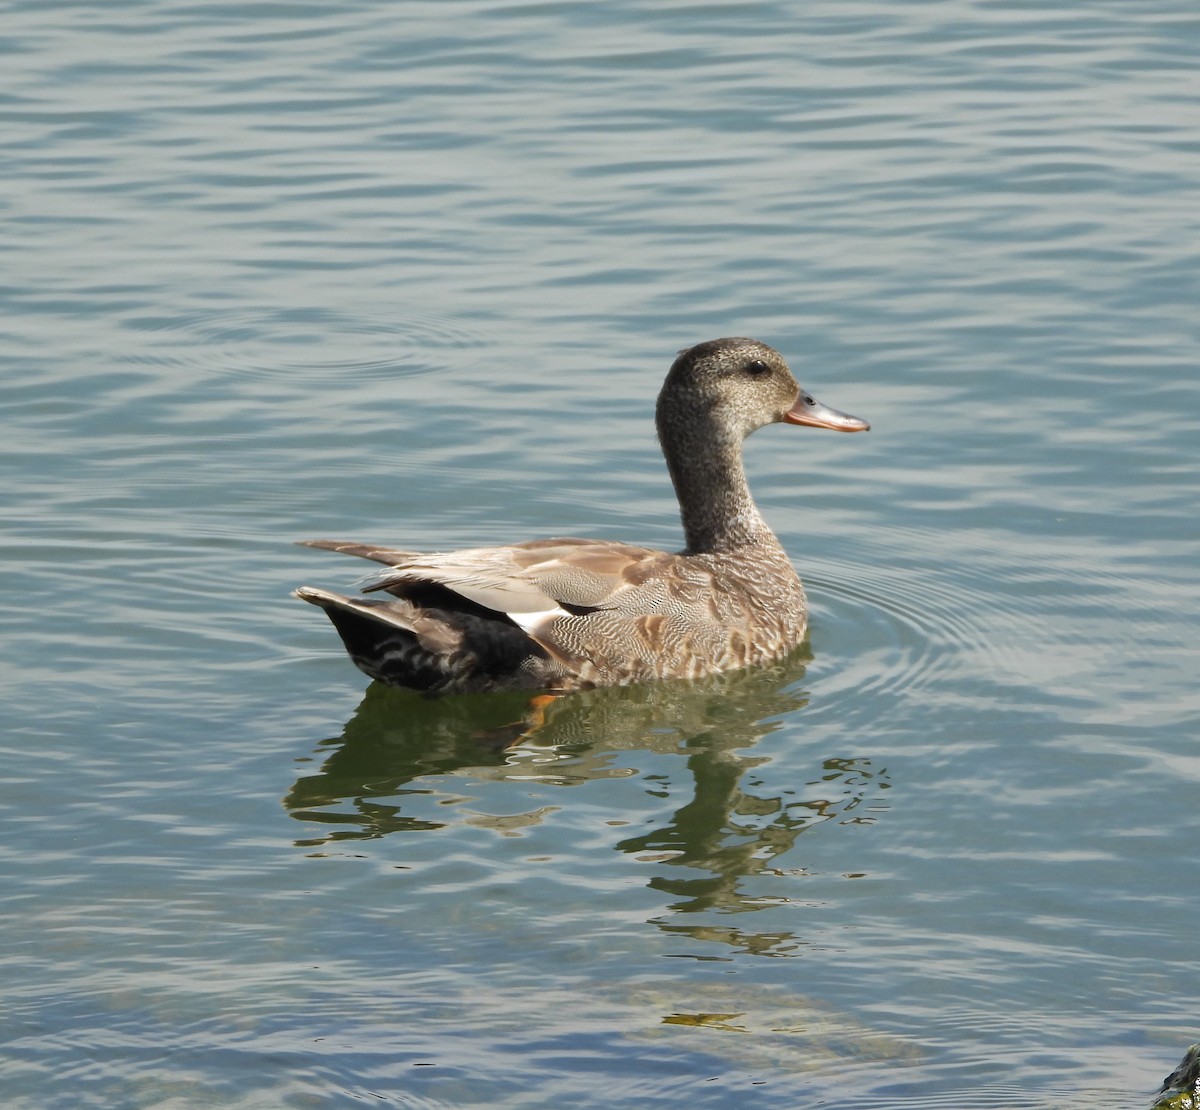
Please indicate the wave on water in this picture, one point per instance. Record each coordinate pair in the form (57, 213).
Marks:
(319, 344)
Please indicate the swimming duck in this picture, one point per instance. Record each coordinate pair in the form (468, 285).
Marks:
(567, 614)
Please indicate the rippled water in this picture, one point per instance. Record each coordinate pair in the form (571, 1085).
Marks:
(412, 273)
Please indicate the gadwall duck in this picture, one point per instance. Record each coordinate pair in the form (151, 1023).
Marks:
(567, 614)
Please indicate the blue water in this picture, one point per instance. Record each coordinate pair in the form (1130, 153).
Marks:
(412, 273)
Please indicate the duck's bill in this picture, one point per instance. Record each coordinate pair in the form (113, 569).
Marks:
(809, 411)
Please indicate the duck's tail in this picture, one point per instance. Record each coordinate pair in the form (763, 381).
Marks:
(392, 641)
(401, 643)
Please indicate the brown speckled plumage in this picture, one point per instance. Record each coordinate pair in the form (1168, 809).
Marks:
(565, 614)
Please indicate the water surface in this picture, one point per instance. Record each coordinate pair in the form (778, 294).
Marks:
(412, 273)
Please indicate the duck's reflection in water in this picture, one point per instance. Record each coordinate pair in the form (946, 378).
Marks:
(404, 763)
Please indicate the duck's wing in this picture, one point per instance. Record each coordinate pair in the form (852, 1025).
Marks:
(373, 551)
(530, 583)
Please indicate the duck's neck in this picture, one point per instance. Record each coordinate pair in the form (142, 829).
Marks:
(710, 482)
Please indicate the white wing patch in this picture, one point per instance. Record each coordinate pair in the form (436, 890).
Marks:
(531, 622)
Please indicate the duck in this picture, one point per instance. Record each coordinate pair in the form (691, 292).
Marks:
(551, 616)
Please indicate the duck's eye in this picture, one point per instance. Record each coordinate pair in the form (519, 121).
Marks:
(757, 367)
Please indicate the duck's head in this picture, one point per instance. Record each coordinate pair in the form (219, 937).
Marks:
(731, 387)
